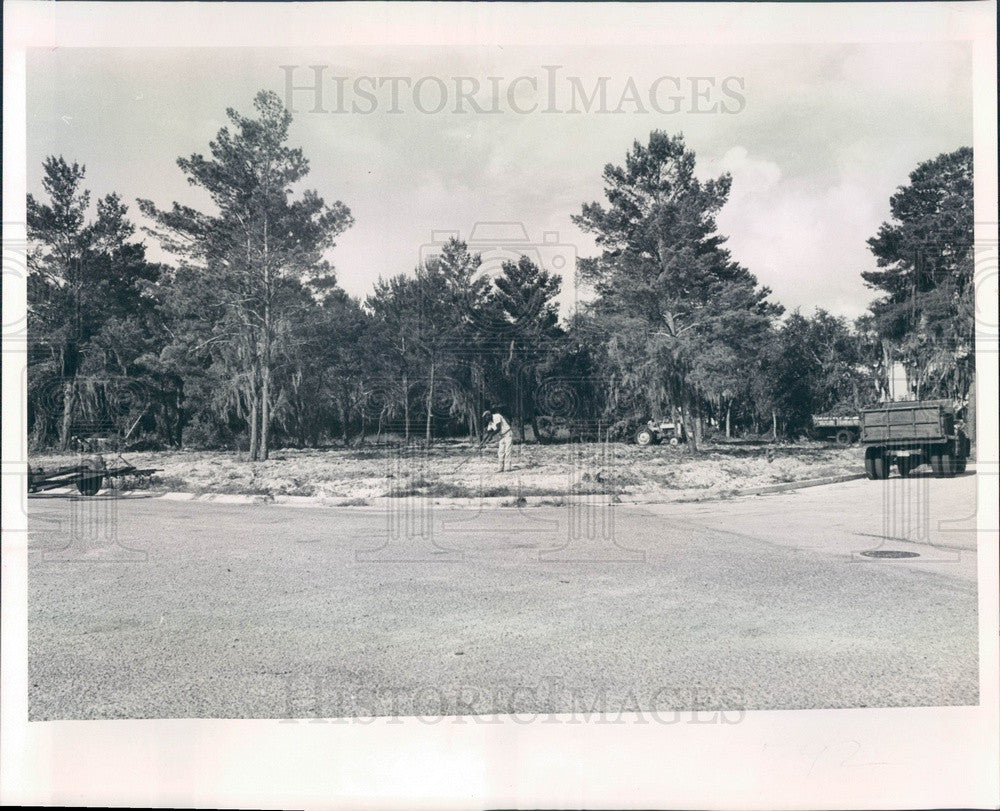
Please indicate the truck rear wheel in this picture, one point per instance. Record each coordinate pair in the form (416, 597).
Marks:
(960, 464)
(876, 463)
(944, 464)
(906, 464)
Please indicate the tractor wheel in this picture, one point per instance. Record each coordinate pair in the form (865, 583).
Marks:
(645, 437)
(89, 484)
(674, 440)
(845, 437)
(876, 464)
(943, 464)
(906, 464)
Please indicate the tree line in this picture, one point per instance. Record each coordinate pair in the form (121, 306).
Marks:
(247, 341)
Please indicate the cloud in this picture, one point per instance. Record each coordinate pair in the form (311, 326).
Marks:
(827, 134)
(752, 177)
(805, 241)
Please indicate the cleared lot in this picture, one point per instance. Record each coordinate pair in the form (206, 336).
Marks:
(457, 469)
(144, 608)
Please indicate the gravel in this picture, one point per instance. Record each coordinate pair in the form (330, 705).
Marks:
(158, 609)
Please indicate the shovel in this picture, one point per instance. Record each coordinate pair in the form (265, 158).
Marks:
(465, 461)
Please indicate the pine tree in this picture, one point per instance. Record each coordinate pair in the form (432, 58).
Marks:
(86, 281)
(258, 239)
(925, 272)
(665, 282)
(526, 331)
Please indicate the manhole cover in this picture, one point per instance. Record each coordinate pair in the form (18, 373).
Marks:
(889, 553)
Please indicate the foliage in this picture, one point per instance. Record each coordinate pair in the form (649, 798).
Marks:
(259, 249)
(90, 317)
(248, 341)
(925, 273)
(678, 312)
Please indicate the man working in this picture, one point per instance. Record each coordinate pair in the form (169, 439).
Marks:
(496, 424)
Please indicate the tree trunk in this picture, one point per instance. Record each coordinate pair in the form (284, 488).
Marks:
(406, 409)
(430, 407)
(774, 425)
(699, 428)
(691, 424)
(179, 413)
(265, 411)
(729, 411)
(69, 403)
(254, 425)
(300, 432)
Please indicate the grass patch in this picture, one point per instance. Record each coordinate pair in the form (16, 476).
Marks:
(520, 501)
(168, 484)
(301, 490)
(424, 488)
(237, 489)
(353, 502)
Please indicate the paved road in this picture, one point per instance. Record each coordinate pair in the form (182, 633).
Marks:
(145, 608)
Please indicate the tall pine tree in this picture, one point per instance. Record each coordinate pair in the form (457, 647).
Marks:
(925, 274)
(665, 282)
(257, 240)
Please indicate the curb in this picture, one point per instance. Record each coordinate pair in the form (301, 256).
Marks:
(785, 486)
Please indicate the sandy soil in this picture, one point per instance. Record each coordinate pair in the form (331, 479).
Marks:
(457, 469)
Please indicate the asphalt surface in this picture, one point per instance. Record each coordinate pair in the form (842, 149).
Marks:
(147, 608)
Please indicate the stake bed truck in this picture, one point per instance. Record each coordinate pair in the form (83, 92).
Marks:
(911, 434)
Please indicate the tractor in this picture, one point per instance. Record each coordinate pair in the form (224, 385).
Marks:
(654, 432)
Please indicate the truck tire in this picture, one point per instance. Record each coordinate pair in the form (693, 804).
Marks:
(943, 464)
(845, 437)
(644, 436)
(906, 464)
(876, 464)
(960, 464)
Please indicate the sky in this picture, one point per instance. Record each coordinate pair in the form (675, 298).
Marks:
(816, 138)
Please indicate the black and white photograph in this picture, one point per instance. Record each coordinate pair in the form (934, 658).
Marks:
(450, 383)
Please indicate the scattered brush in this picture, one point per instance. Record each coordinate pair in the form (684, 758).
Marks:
(353, 502)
